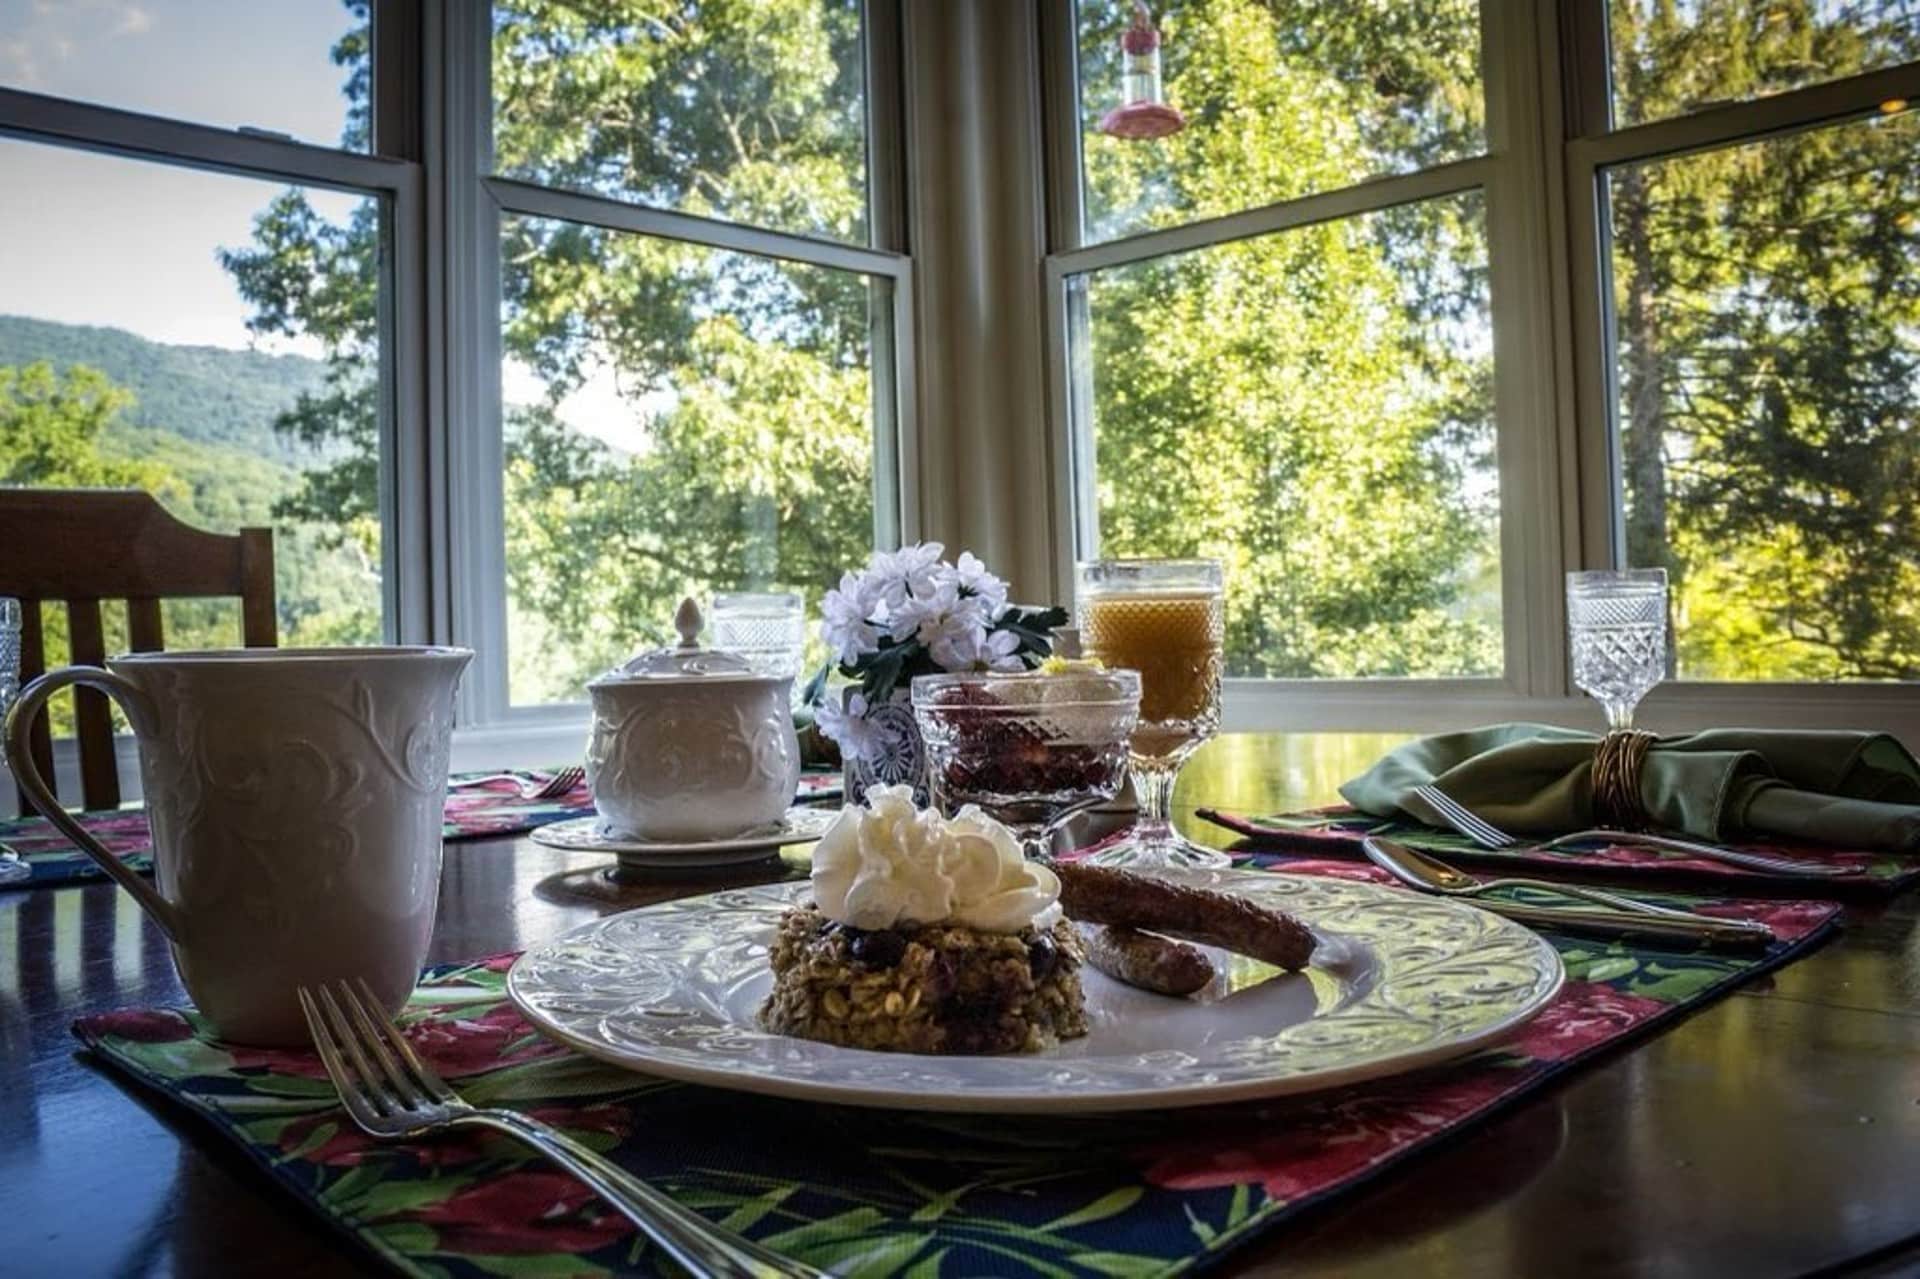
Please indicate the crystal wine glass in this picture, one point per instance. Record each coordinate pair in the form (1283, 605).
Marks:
(12, 867)
(1031, 749)
(768, 629)
(1165, 619)
(1618, 623)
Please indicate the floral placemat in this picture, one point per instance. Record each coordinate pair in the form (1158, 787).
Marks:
(1338, 831)
(864, 1192)
(474, 811)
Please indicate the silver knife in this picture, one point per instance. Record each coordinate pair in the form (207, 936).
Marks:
(1428, 874)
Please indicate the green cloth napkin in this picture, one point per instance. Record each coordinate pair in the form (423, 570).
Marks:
(1861, 790)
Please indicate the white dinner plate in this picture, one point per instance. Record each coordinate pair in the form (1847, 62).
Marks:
(589, 835)
(1398, 981)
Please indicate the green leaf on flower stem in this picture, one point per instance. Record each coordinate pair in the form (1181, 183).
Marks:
(1111, 1204)
(392, 1198)
(411, 1237)
(1122, 1265)
(827, 1230)
(291, 1086)
(884, 1255)
(553, 1078)
(354, 1182)
(1035, 627)
(940, 1203)
(1240, 1207)
(320, 1136)
(882, 673)
(1031, 1262)
(1673, 983)
(750, 1213)
(926, 1267)
(1612, 967)
(810, 693)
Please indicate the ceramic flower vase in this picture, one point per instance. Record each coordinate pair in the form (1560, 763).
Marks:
(897, 757)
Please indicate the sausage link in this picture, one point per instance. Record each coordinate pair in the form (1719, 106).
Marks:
(1158, 964)
(1102, 895)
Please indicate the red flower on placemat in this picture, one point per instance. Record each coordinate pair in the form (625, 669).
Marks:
(1788, 919)
(1585, 1014)
(303, 1062)
(1324, 1140)
(141, 1025)
(462, 1046)
(347, 1146)
(537, 1211)
(1319, 1143)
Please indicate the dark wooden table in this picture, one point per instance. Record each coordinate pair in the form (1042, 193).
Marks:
(1775, 1133)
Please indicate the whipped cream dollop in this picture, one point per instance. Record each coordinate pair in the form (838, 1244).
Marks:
(890, 863)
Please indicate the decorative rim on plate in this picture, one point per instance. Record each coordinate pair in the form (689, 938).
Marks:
(1401, 981)
(587, 835)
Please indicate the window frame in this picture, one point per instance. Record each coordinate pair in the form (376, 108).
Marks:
(406, 571)
(1503, 174)
(478, 199)
(441, 499)
(1549, 140)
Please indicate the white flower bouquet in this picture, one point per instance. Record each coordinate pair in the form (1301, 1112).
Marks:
(911, 613)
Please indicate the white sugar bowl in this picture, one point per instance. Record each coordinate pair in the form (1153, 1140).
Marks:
(690, 744)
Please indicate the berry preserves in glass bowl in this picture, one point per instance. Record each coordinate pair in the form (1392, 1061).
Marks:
(1031, 748)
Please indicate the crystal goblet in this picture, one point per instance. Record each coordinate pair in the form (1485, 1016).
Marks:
(1031, 749)
(1617, 621)
(1165, 619)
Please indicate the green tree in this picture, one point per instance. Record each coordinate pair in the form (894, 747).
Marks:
(1312, 406)
(748, 378)
(51, 428)
(1767, 304)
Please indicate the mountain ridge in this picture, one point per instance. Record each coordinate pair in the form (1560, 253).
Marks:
(207, 394)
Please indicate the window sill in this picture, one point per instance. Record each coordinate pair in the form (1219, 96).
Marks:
(556, 735)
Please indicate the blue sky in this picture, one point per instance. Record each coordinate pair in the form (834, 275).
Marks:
(91, 239)
(95, 239)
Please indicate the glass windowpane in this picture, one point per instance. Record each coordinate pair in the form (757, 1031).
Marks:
(751, 113)
(1673, 58)
(679, 420)
(1766, 320)
(213, 340)
(300, 69)
(1282, 98)
(1314, 407)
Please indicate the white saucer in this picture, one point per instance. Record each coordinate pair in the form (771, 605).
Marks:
(589, 835)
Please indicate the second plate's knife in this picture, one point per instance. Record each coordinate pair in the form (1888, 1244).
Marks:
(1417, 871)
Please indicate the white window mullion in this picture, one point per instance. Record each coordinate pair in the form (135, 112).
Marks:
(1532, 357)
(468, 263)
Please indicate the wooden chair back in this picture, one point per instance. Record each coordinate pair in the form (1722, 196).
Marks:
(77, 547)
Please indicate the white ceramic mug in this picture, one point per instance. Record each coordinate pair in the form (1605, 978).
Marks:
(295, 798)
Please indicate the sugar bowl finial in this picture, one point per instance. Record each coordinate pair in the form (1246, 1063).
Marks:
(688, 620)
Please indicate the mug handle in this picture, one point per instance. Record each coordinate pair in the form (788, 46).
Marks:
(140, 710)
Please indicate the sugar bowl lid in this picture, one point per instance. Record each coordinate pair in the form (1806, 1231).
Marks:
(686, 661)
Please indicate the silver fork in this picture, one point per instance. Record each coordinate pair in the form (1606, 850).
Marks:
(1487, 835)
(392, 1095)
(553, 788)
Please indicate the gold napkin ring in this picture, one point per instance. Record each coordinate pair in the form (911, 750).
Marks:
(1616, 778)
